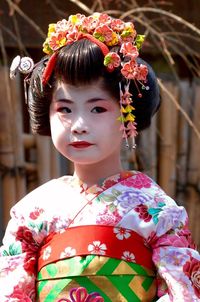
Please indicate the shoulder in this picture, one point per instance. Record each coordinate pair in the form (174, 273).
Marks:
(44, 194)
(160, 205)
(144, 183)
(45, 189)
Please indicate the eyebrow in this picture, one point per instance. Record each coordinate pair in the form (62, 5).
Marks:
(93, 100)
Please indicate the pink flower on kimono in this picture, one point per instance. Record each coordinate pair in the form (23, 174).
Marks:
(109, 183)
(36, 213)
(30, 263)
(112, 60)
(80, 294)
(172, 240)
(175, 258)
(128, 49)
(19, 294)
(26, 237)
(128, 256)
(185, 233)
(143, 212)
(192, 271)
(107, 217)
(122, 233)
(8, 266)
(139, 181)
(129, 70)
(97, 248)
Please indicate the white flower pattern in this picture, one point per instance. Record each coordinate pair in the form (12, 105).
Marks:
(46, 253)
(127, 256)
(68, 252)
(97, 248)
(122, 233)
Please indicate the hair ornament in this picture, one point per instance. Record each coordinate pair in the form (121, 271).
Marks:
(49, 69)
(127, 118)
(106, 32)
(24, 65)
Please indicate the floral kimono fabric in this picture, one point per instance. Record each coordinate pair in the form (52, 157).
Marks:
(94, 258)
(64, 234)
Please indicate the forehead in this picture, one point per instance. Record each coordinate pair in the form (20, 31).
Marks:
(84, 92)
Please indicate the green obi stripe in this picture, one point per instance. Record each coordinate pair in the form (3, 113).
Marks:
(92, 265)
(114, 279)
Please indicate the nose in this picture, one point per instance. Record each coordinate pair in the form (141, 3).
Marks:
(79, 126)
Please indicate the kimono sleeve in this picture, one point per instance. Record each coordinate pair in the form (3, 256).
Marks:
(18, 261)
(175, 256)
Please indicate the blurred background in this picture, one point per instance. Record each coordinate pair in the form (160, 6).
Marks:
(169, 151)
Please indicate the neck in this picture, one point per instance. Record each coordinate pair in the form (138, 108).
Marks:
(92, 173)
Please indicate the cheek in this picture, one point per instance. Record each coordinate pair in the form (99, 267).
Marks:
(111, 132)
(57, 131)
(115, 127)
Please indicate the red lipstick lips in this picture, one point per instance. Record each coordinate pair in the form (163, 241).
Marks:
(81, 144)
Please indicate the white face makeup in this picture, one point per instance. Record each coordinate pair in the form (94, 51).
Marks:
(84, 123)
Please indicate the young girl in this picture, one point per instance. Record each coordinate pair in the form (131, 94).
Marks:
(103, 234)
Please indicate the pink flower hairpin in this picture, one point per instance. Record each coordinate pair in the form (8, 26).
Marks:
(80, 294)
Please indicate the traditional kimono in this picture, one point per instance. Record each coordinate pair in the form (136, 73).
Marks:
(121, 240)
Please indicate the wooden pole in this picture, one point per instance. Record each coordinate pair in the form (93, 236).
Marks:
(167, 141)
(29, 141)
(7, 157)
(194, 146)
(193, 210)
(183, 139)
(43, 146)
(18, 139)
(147, 149)
(193, 177)
(55, 162)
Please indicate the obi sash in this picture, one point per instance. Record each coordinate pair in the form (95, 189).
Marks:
(112, 261)
(116, 242)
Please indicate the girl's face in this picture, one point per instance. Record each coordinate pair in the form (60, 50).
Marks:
(84, 123)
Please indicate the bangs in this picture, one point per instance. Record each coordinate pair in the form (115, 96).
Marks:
(79, 63)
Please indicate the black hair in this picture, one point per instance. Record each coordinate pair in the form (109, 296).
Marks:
(81, 63)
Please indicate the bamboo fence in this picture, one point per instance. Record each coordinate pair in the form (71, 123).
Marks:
(168, 151)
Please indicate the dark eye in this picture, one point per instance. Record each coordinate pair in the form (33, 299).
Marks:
(99, 110)
(64, 110)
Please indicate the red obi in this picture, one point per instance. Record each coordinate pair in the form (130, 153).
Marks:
(109, 241)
